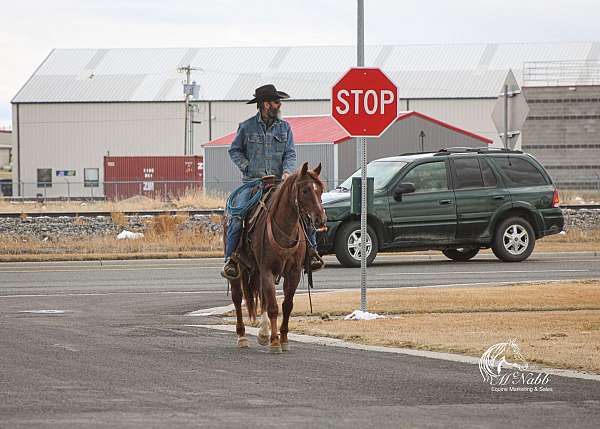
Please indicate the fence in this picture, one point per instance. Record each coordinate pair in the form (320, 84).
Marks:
(120, 190)
(561, 73)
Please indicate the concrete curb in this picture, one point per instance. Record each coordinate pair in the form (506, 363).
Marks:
(334, 342)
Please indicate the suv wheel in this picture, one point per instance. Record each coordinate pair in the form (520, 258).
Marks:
(514, 240)
(347, 244)
(461, 254)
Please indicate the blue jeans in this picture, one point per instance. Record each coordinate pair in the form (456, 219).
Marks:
(234, 226)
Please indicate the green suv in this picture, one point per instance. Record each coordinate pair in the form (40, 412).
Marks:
(457, 200)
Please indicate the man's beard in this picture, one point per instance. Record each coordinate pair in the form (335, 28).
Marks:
(274, 113)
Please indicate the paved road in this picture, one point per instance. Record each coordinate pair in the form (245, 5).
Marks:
(202, 275)
(121, 356)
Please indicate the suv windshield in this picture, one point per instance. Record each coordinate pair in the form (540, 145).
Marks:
(381, 171)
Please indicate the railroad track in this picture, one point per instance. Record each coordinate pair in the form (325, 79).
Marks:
(207, 212)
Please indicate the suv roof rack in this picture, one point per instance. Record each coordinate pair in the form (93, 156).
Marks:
(451, 150)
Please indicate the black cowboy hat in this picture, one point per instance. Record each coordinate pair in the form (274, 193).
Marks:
(267, 93)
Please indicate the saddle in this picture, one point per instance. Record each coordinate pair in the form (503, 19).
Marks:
(243, 254)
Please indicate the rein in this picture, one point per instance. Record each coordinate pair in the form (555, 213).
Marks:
(286, 251)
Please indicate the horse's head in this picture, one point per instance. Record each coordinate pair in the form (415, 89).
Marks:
(308, 189)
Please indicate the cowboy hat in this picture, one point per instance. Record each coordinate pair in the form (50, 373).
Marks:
(267, 93)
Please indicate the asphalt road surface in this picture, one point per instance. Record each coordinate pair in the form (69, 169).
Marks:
(90, 345)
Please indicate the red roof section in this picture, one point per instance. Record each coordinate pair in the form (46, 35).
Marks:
(324, 129)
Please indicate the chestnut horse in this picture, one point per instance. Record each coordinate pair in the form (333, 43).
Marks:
(278, 247)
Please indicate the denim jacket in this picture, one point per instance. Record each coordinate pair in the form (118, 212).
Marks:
(258, 151)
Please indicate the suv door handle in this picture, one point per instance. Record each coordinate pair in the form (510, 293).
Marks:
(498, 197)
(445, 202)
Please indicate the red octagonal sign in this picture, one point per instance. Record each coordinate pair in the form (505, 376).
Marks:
(364, 102)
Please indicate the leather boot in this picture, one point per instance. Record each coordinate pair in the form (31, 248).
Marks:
(230, 270)
(316, 262)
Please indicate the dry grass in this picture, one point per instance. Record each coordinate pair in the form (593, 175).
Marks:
(526, 297)
(556, 324)
(560, 339)
(161, 240)
(568, 196)
(190, 201)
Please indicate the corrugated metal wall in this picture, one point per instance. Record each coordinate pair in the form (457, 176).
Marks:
(469, 114)
(78, 136)
(221, 176)
(402, 137)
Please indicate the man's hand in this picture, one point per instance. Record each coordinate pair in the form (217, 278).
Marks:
(285, 175)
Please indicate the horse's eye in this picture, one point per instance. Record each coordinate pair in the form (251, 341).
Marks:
(305, 191)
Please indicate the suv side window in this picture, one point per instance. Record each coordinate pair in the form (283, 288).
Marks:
(430, 177)
(489, 177)
(520, 172)
(467, 173)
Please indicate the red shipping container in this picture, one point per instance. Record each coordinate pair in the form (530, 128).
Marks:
(152, 176)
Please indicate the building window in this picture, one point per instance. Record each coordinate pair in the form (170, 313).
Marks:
(91, 177)
(44, 177)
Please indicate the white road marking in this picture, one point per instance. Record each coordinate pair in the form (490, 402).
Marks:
(43, 311)
(479, 272)
(333, 342)
(112, 293)
(44, 270)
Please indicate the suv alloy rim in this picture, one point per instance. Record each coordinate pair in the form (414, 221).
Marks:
(516, 239)
(354, 244)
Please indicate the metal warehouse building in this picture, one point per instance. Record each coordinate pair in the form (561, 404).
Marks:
(320, 139)
(82, 104)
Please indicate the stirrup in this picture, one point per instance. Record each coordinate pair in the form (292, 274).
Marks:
(228, 276)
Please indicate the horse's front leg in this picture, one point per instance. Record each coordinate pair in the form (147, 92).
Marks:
(290, 285)
(269, 295)
(236, 297)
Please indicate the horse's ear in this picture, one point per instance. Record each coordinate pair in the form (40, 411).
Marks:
(317, 169)
(304, 168)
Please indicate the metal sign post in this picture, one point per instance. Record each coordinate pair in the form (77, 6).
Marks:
(364, 102)
(510, 112)
(363, 224)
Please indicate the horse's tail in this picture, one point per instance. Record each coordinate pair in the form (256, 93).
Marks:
(251, 291)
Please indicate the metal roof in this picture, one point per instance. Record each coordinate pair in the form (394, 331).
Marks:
(324, 129)
(306, 72)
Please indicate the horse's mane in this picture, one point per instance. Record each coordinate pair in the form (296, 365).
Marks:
(285, 188)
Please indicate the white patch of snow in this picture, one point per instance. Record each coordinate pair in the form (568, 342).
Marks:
(128, 235)
(363, 315)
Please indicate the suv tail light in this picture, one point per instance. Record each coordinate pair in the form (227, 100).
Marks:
(555, 200)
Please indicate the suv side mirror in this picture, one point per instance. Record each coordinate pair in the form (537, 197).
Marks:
(403, 188)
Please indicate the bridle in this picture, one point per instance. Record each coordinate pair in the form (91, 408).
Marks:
(300, 213)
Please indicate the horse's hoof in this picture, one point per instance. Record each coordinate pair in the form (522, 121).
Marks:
(243, 342)
(263, 340)
(275, 349)
(285, 347)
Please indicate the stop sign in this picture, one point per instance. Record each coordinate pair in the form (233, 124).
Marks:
(364, 102)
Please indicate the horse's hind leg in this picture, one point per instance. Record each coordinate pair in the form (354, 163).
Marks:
(289, 289)
(236, 297)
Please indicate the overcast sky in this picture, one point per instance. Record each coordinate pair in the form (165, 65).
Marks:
(30, 29)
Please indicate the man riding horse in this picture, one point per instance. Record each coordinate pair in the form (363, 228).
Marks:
(263, 146)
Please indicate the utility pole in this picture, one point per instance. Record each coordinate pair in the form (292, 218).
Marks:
(189, 89)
